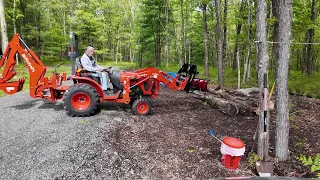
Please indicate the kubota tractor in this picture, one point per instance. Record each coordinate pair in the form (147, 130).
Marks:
(84, 95)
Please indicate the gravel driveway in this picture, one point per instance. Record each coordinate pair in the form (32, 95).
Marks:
(39, 141)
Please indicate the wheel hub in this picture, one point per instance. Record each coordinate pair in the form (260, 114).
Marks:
(80, 101)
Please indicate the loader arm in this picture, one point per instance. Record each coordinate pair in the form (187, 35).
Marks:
(181, 82)
(35, 67)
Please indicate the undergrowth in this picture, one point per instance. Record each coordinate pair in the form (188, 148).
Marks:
(312, 162)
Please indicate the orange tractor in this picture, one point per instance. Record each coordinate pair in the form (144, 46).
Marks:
(83, 96)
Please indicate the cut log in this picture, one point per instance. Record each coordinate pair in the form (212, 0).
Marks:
(233, 102)
(226, 105)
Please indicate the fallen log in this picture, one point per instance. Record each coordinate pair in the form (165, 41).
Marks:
(227, 105)
(233, 102)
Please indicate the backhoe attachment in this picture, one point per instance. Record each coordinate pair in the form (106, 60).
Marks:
(12, 87)
(39, 84)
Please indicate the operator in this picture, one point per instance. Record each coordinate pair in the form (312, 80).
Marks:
(89, 63)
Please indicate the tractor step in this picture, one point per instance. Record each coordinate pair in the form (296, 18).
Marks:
(108, 92)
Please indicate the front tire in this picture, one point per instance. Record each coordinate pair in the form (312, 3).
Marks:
(141, 106)
(81, 100)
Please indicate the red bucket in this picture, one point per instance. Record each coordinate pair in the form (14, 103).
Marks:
(232, 149)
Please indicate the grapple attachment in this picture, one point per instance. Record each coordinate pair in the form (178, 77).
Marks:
(190, 71)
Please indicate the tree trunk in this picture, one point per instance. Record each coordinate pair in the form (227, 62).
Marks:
(262, 58)
(15, 27)
(275, 6)
(220, 43)
(205, 34)
(158, 41)
(284, 18)
(309, 38)
(187, 38)
(225, 29)
(140, 58)
(167, 44)
(117, 49)
(239, 77)
(3, 25)
(177, 44)
(247, 64)
(183, 58)
(238, 31)
(271, 60)
(239, 102)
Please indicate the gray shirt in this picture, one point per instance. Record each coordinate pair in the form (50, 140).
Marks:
(89, 65)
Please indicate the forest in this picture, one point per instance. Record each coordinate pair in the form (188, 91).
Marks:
(165, 33)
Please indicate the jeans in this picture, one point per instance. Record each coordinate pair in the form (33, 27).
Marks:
(104, 79)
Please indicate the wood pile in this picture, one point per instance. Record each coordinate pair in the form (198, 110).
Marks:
(243, 102)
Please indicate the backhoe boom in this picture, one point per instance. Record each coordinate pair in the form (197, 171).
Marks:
(37, 70)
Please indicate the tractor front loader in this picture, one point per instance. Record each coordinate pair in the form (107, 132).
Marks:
(84, 95)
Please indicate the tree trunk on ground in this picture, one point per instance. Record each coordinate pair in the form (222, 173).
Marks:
(205, 34)
(240, 102)
(284, 18)
(220, 43)
(3, 25)
(262, 58)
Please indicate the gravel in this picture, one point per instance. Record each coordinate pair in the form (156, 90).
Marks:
(39, 141)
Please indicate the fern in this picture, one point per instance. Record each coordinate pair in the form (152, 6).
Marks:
(306, 161)
(313, 162)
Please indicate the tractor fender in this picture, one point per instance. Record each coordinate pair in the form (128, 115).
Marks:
(91, 82)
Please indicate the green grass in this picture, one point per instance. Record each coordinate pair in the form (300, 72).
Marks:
(298, 82)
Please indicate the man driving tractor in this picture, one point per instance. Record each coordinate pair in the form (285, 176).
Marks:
(88, 63)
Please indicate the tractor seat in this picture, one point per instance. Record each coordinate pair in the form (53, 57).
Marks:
(88, 74)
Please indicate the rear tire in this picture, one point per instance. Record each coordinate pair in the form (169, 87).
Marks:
(141, 106)
(81, 100)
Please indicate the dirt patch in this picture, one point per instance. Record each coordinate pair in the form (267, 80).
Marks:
(174, 141)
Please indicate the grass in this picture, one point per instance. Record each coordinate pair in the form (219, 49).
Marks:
(298, 82)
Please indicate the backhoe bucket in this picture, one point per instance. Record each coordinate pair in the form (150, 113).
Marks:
(199, 84)
(12, 87)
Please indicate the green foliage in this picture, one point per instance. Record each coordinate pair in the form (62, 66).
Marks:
(253, 158)
(313, 162)
(127, 31)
